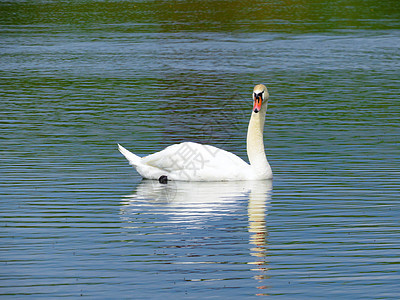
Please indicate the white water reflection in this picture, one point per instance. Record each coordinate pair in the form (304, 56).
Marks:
(260, 196)
(196, 201)
(194, 204)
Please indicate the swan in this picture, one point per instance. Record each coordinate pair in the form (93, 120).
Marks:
(190, 161)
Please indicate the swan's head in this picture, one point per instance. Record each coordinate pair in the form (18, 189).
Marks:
(260, 97)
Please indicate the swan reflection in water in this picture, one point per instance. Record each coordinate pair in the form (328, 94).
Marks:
(259, 197)
(192, 204)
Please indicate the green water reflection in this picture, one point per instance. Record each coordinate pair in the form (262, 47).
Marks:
(169, 16)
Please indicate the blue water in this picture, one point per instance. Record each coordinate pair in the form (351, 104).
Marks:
(77, 78)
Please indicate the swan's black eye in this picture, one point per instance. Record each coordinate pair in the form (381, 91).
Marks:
(256, 96)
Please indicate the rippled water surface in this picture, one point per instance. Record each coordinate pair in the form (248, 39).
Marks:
(79, 77)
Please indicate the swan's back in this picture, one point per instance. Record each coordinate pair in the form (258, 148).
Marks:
(197, 162)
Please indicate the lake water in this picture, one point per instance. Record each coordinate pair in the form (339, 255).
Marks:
(78, 77)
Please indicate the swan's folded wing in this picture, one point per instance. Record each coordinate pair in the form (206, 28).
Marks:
(197, 162)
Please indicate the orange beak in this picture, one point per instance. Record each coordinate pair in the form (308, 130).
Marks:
(257, 104)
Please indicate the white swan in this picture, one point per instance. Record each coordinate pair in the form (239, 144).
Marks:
(196, 162)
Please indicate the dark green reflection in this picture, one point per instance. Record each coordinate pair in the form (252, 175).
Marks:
(218, 15)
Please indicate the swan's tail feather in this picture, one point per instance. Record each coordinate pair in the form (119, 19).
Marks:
(133, 159)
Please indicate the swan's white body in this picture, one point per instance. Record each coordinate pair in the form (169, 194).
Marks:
(196, 162)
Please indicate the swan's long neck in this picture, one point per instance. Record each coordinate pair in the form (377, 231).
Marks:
(255, 142)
